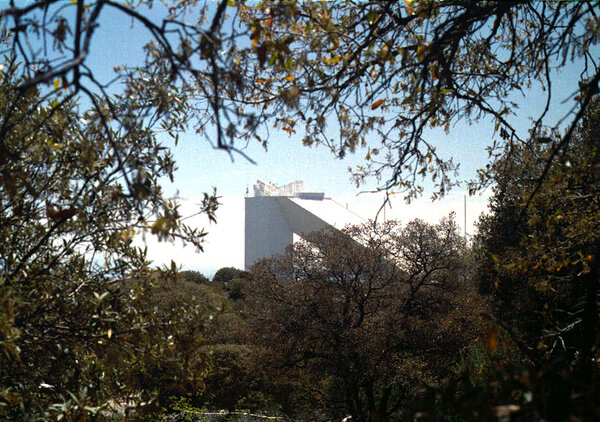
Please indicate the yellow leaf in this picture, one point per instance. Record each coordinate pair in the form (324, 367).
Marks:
(158, 226)
(335, 41)
(127, 234)
(74, 1)
(368, 156)
(109, 333)
(377, 103)
(334, 59)
(289, 78)
(56, 83)
(492, 340)
(504, 411)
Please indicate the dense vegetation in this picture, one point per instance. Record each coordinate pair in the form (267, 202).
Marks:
(380, 322)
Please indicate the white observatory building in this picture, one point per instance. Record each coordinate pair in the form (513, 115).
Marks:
(275, 215)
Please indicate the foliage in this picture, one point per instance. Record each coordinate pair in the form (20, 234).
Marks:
(76, 321)
(226, 274)
(182, 368)
(237, 381)
(376, 312)
(549, 250)
(503, 229)
(397, 71)
(177, 86)
(233, 281)
(234, 377)
(194, 277)
(391, 71)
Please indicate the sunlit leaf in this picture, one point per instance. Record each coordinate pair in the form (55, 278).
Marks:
(377, 104)
(492, 340)
(334, 59)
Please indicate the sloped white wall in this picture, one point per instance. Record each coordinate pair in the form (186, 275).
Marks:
(271, 222)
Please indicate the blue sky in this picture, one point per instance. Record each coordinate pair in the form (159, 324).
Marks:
(201, 167)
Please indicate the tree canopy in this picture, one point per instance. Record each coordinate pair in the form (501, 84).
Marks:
(226, 274)
(540, 265)
(380, 74)
(377, 75)
(372, 313)
(79, 327)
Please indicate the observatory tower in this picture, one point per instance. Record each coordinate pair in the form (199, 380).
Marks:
(275, 214)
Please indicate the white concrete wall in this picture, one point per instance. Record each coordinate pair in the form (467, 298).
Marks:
(267, 232)
(271, 222)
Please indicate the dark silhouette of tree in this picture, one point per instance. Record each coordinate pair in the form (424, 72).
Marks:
(374, 312)
(226, 274)
(539, 262)
(194, 277)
